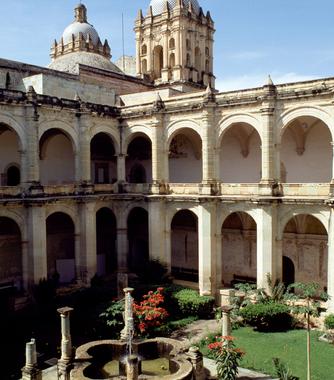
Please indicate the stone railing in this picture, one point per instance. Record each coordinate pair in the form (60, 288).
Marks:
(61, 189)
(306, 189)
(138, 188)
(249, 189)
(10, 191)
(184, 188)
(104, 188)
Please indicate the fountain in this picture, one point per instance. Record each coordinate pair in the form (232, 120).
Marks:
(126, 359)
(159, 358)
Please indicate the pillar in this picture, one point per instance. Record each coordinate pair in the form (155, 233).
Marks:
(30, 371)
(30, 157)
(65, 362)
(121, 169)
(37, 248)
(267, 257)
(226, 321)
(84, 175)
(269, 175)
(122, 241)
(330, 271)
(138, 53)
(159, 159)
(157, 228)
(86, 258)
(206, 247)
(332, 180)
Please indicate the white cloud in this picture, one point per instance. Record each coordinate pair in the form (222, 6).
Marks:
(258, 80)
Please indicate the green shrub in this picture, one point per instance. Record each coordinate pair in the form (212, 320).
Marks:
(329, 322)
(267, 317)
(113, 316)
(153, 272)
(190, 303)
(282, 371)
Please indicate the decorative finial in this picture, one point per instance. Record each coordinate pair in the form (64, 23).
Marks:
(270, 81)
(80, 13)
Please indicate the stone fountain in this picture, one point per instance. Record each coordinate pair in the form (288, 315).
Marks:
(126, 359)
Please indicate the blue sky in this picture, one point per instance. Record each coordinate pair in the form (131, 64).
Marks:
(289, 39)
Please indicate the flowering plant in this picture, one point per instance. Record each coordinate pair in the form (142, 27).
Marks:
(149, 313)
(227, 357)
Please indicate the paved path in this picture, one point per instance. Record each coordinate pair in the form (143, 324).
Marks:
(198, 330)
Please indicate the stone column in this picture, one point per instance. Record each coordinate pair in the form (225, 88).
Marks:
(121, 171)
(206, 247)
(37, 243)
(122, 241)
(332, 180)
(159, 157)
(330, 269)
(30, 371)
(65, 362)
(31, 155)
(269, 175)
(226, 321)
(157, 228)
(266, 245)
(138, 53)
(208, 152)
(132, 367)
(86, 257)
(196, 359)
(83, 156)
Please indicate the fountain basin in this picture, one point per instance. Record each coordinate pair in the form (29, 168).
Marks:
(106, 359)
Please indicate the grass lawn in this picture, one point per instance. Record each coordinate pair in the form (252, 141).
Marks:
(290, 347)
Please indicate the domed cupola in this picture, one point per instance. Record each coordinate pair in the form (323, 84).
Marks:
(81, 44)
(158, 6)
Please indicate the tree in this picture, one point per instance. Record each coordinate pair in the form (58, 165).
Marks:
(311, 306)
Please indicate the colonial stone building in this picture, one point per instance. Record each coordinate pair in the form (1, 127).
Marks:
(101, 171)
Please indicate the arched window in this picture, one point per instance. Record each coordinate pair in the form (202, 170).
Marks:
(188, 61)
(172, 60)
(144, 66)
(207, 66)
(172, 43)
(188, 44)
(13, 176)
(158, 61)
(198, 59)
(207, 51)
(144, 50)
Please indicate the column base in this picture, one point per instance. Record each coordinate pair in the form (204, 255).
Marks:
(209, 188)
(85, 187)
(31, 373)
(160, 188)
(270, 188)
(64, 369)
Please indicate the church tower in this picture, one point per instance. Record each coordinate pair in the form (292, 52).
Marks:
(174, 44)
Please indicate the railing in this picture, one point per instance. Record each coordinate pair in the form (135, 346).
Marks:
(248, 189)
(138, 188)
(306, 189)
(61, 189)
(184, 188)
(104, 188)
(10, 191)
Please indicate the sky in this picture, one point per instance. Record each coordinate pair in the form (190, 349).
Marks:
(291, 40)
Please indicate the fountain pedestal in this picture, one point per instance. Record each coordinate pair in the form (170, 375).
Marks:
(132, 367)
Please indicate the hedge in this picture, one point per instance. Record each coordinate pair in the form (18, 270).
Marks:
(190, 303)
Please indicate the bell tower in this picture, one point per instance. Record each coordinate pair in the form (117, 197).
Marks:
(174, 44)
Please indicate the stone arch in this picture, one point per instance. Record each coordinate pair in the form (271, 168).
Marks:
(16, 127)
(139, 156)
(305, 243)
(240, 118)
(64, 209)
(112, 132)
(11, 253)
(55, 146)
(174, 128)
(103, 159)
(60, 242)
(239, 249)
(305, 136)
(185, 156)
(138, 237)
(316, 112)
(65, 128)
(131, 132)
(239, 154)
(184, 245)
(106, 235)
(13, 174)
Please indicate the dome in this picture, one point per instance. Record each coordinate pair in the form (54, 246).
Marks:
(80, 27)
(70, 62)
(158, 6)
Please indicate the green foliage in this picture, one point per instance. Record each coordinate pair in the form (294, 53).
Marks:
(113, 315)
(227, 357)
(282, 370)
(329, 322)
(267, 316)
(275, 293)
(311, 294)
(153, 272)
(190, 303)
